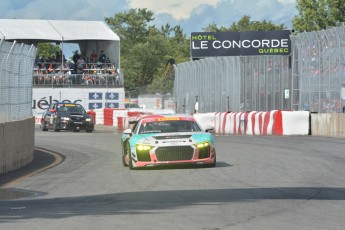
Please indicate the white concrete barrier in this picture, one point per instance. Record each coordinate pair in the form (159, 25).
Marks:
(296, 122)
(2, 147)
(328, 124)
(17, 144)
(205, 120)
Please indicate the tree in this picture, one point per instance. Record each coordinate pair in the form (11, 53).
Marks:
(245, 24)
(178, 48)
(318, 14)
(47, 50)
(145, 49)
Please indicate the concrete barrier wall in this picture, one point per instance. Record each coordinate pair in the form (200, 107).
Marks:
(2, 145)
(328, 124)
(17, 140)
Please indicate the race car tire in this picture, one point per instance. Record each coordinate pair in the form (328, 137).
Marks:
(214, 162)
(43, 127)
(124, 153)
(76, 130)
(130, 165)
(56, 128)
(88, 130)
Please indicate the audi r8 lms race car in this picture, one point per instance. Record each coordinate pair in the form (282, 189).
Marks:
(167, 140)
(66, 116)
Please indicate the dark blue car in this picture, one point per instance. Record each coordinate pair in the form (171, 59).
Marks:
(66, 116)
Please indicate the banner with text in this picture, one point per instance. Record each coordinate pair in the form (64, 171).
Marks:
(212, 44)
(90, 98)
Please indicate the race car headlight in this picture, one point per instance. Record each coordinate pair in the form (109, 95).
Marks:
(65, 118)
(143, 147)
(88, 119)
(202, 145)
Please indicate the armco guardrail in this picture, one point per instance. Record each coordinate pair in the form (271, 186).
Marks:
(16, 144)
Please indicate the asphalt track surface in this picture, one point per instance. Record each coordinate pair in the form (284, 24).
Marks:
(77, 181)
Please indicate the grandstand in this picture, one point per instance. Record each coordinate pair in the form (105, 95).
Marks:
(89, 36)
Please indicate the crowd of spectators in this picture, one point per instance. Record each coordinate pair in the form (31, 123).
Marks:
(82, 70)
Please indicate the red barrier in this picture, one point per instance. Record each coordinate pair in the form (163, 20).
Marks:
(92, 114)
(108, 116)
(120, 122)
(277, 128)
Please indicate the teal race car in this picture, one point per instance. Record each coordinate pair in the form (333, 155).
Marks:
(160, 140)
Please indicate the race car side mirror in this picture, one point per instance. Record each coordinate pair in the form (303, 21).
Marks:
(128, 132)
(209, 130)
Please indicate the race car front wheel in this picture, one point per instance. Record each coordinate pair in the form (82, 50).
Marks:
(56, 129)
(43, 127)
(124, 154)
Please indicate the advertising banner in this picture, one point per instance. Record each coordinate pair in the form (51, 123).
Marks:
(89, 98)
(213, 44)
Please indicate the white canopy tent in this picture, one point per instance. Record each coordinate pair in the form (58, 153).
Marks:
(89, 35)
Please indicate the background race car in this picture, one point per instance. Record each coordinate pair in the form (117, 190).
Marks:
(66, 116)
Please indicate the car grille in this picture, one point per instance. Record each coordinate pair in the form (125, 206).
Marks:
(174, 153)
(77, 118)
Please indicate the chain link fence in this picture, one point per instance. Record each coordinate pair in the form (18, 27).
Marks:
(319, 70)
(312, 78)
(16, 67)
(232, 84)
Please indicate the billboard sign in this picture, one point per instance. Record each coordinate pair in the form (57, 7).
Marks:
(89, 98)
(213, 44)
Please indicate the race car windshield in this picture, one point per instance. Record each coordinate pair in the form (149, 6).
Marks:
(169, 127)
(71, 109)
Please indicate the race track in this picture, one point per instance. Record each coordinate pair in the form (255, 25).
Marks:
(260, 182)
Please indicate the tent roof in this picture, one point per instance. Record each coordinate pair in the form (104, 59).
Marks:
(55, 30)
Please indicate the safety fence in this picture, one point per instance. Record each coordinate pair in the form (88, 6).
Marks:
(232, 84)
(16, 120)
(312, 78)
(319, 70)
(16, 67)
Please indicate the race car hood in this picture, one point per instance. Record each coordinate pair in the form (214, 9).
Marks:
(171, 138)
(68, 114)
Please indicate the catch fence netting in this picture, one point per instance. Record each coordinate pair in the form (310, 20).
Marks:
(16, 68)
(311, 78)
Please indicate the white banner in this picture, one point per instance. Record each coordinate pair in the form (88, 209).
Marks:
(90, 98)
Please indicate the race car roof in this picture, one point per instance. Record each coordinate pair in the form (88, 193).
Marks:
(159, 118)
(55, 30)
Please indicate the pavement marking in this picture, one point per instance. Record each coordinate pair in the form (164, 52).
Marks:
(58, 159)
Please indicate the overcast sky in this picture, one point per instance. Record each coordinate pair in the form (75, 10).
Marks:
(191, 15)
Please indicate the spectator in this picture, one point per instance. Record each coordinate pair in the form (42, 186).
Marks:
(80, 64)
(93, 57)
(75, 58)
(102, 57)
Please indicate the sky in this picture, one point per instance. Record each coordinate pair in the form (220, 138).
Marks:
(191, 15)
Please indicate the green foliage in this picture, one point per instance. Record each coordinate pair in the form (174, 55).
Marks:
(245, 24)
(46, 50)
(318, 14)
(145, 50)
